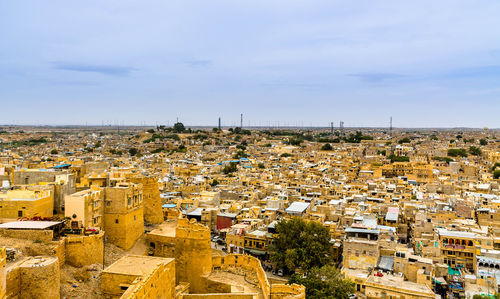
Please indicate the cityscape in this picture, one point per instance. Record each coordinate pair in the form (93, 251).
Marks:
(250, 150)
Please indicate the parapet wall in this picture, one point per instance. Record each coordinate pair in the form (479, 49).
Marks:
(36, 277)
(159, 284)
(27, 234)
(293, 291)
(247, 262)
(191, 230)
(250, 263)
(84, 250)
(217, 296)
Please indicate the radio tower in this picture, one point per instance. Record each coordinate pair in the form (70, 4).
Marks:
(331, 128)
(219, 123)
(241, 121)
(390, 128)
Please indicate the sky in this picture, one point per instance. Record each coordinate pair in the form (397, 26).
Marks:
(425, 63)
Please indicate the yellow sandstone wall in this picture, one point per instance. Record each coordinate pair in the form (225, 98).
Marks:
(285, 291)
(39, 279)
(193, 253)
(42, 207)
(127, 230)
(160, 284)
(3, 261)
(40, 235)
(151, 199)
(276, 291)
(248, 262)
(110, 284)
(216, 296)
(191, 249)
(84, 250)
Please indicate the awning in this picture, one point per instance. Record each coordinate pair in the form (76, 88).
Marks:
(440, 280)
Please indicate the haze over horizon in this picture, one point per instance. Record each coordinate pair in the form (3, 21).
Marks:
(426, 64)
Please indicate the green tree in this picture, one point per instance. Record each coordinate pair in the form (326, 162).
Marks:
(230, 168)
(54, 152)
(296, 141)
(261, 165)
(456, 152)
(357, 137)
(133, 151)
(300, 244)
(404, 140)
(240, 154)
(179, 127)
(214, 183)
(483, 141)
(327, 147)
(475, 151)
(496, 174)
(325, 282)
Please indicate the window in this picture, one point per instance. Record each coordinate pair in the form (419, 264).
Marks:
(134, 217)
(116, 220)
(19, 213)
(129, 201)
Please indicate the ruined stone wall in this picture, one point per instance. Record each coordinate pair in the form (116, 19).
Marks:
(13, 282)
(217, 287)
(193, 253)
(247, 262)
(286, 291)
(39, 277)
(84, 250)
(151, 199)
(159, 284)
(27, 234)
(217, 296)
(3, 261)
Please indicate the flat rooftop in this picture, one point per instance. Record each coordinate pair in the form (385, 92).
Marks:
(29, 224)
(397, 282)
(136, 265)
(166, 229)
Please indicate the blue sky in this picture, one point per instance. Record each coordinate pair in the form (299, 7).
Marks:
(426, 63)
